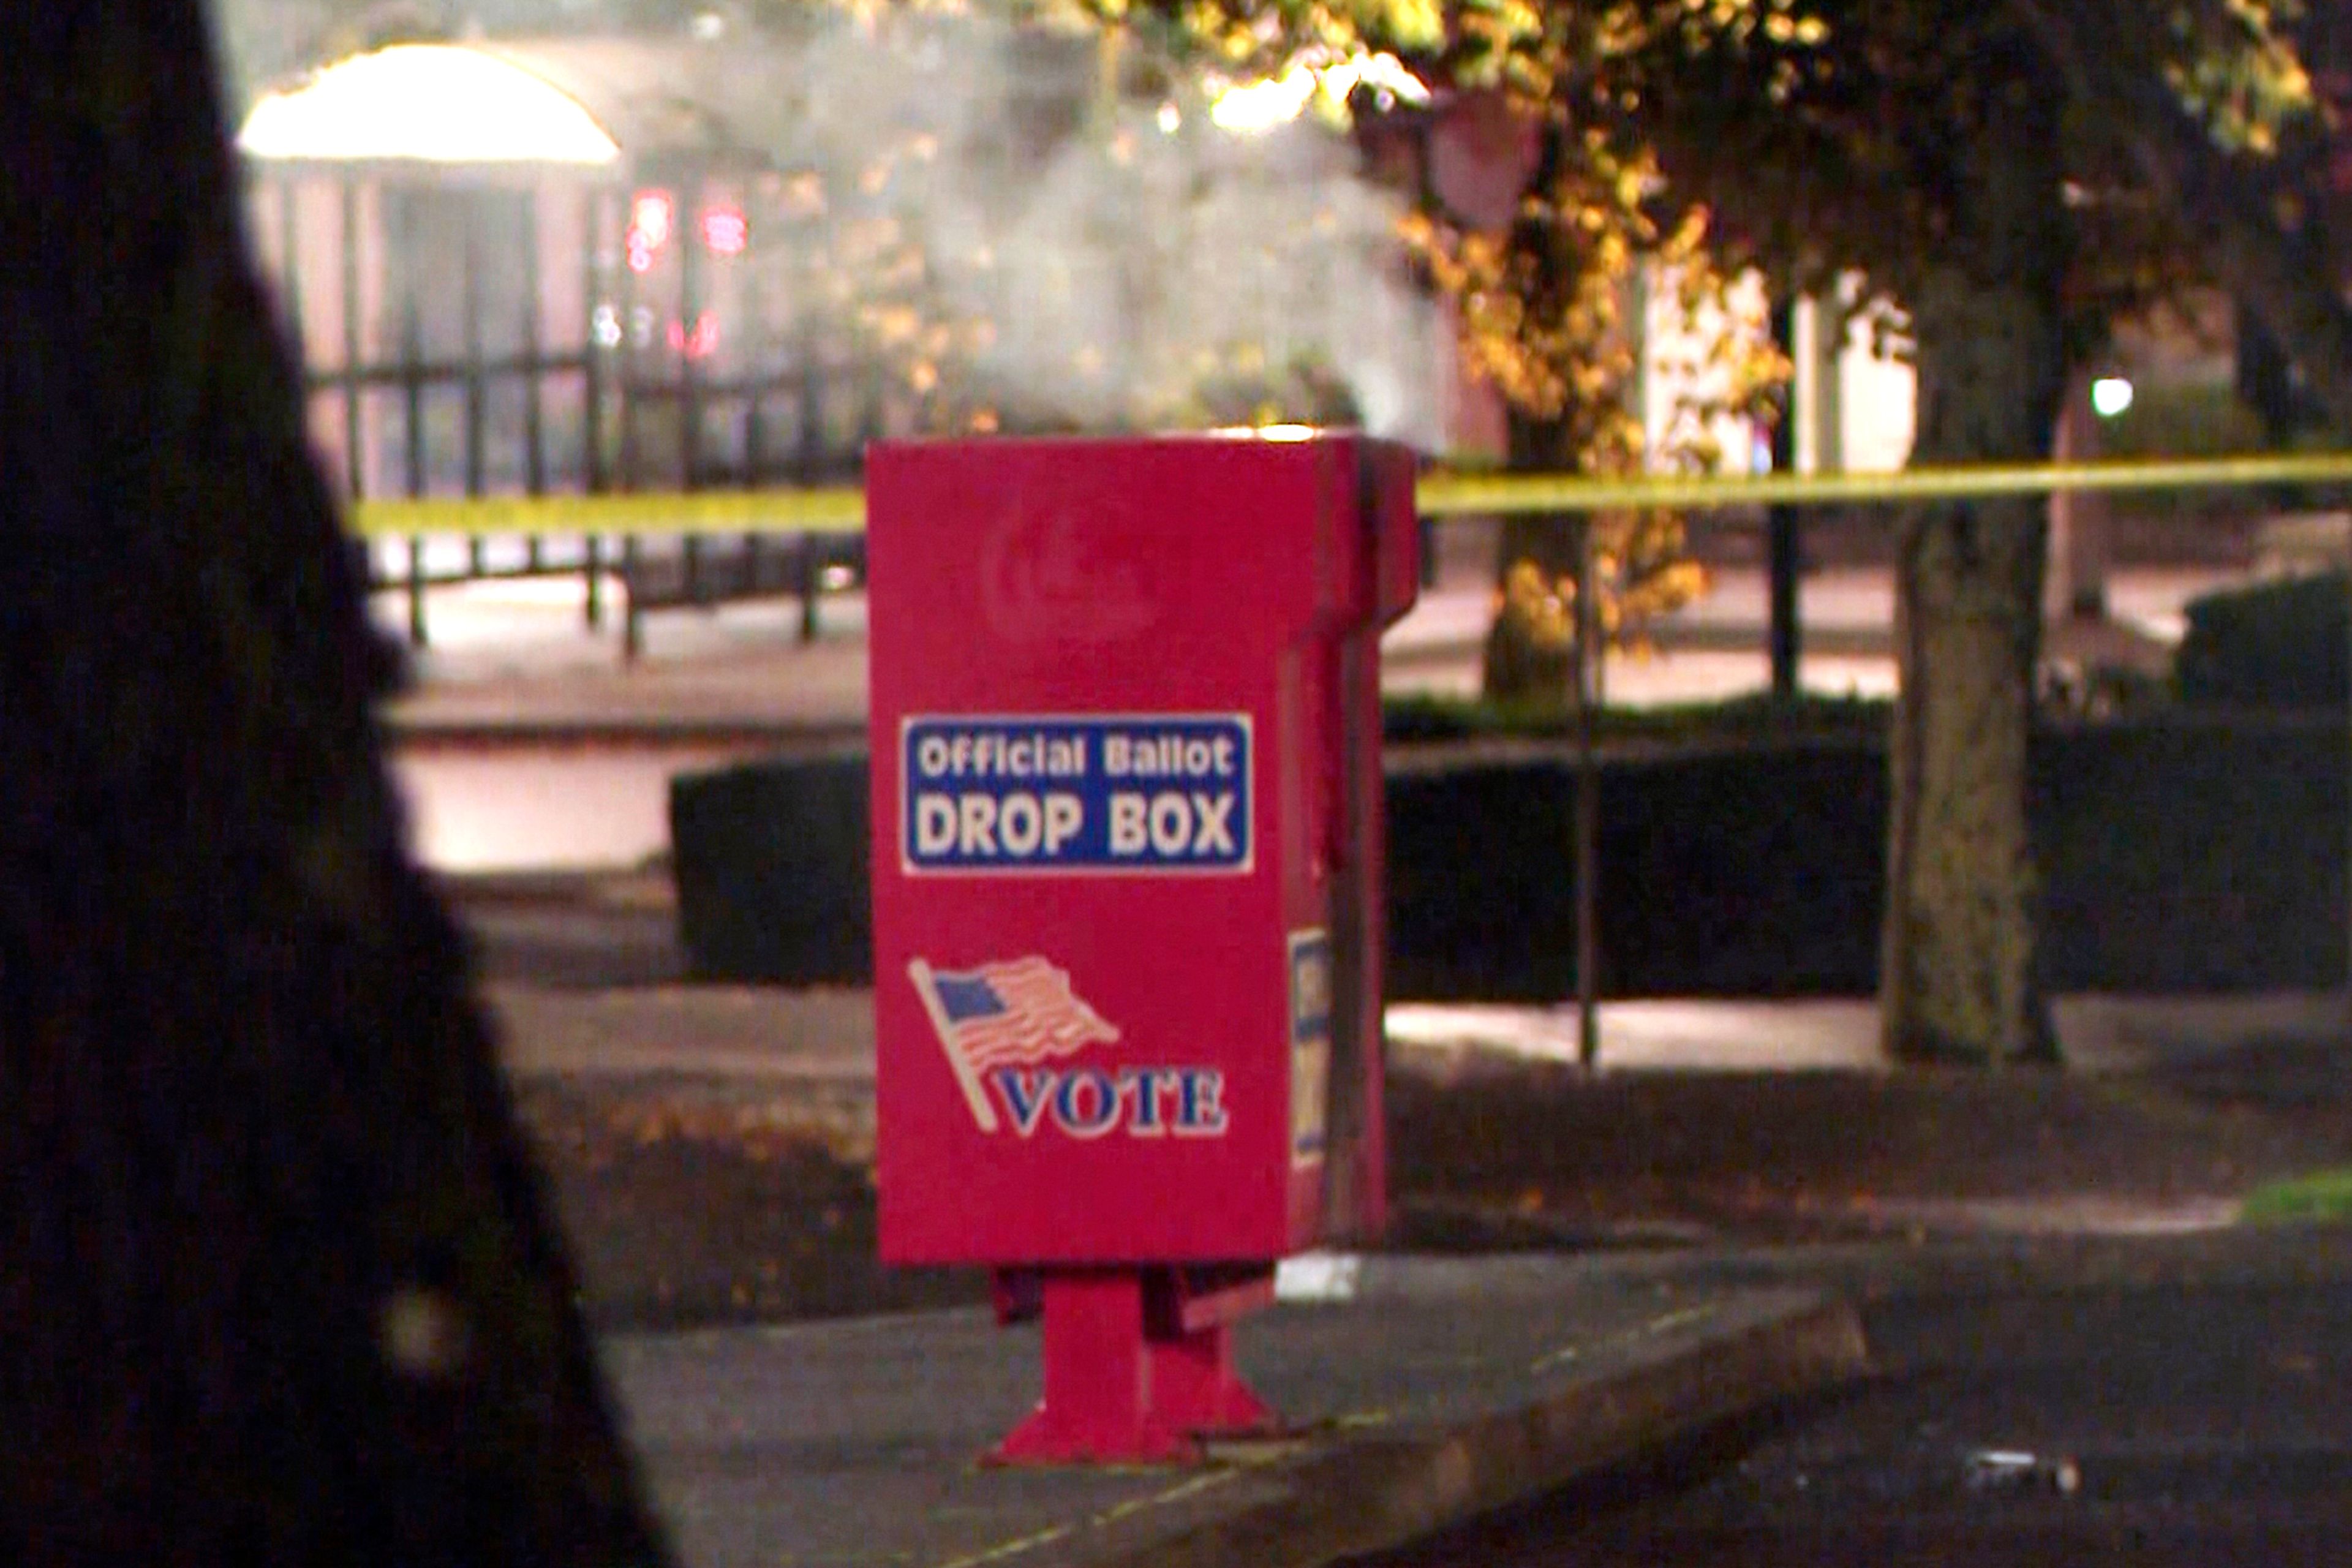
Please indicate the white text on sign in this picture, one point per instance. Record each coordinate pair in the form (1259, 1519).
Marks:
(1078, 793)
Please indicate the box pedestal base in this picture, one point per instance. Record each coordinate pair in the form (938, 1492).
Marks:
(1139, 1364)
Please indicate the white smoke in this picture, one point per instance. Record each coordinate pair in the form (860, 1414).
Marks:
(1123, 247)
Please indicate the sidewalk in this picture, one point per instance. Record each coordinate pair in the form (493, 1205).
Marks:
(512, 660)
(759, 1034)
(1420, 1394)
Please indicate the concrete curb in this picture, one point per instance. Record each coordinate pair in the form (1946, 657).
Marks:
(1379, 1491)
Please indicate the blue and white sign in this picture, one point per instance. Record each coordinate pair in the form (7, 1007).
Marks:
(1142, 794)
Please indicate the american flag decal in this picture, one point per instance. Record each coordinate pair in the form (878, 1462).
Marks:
(1018, 1012)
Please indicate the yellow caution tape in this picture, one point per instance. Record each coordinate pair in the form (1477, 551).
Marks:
(843, 511)
(1444, 495)
(839, 510)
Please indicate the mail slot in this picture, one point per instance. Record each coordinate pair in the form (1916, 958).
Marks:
(1127, 871)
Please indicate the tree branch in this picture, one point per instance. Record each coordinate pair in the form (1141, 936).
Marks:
(2267, 245)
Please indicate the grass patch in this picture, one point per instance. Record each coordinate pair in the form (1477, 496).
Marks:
(2322, 1197)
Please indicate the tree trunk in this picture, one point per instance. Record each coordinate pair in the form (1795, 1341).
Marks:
(276, 1283)
(1531, 658)
(1959, 959)
(1530, 652)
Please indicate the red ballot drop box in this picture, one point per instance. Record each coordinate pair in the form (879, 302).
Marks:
(1127, 871)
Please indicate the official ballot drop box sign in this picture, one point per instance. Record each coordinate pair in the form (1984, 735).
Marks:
(1126, 783)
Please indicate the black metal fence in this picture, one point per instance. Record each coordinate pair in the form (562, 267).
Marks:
(517, 332)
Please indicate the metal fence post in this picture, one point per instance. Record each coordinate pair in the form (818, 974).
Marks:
(810, 584)
(690, 377)
(632, 626)
(476, 386)
(632, 442)
(1783, 558)
(592, 392)
(355, 480)
(534, 362)
(1588, 800)
(412, 393)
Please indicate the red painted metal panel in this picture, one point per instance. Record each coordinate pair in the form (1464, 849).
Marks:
(1125, 709)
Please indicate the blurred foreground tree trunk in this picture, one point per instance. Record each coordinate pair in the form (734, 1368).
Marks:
(277, 1284)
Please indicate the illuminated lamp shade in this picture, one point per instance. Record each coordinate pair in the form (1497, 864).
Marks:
(438, 104)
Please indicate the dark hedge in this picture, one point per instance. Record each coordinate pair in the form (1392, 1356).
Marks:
(2178, 855)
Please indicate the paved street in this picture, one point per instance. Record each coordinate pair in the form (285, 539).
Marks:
(2152, 1402)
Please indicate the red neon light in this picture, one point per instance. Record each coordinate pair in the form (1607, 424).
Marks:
(726, 230)
(702, 342)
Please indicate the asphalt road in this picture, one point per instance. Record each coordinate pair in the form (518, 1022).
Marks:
(2166, 1403)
